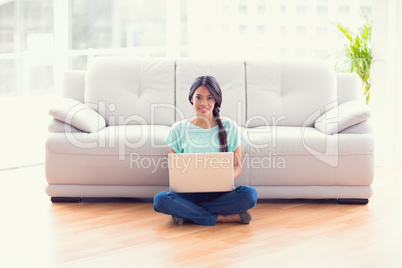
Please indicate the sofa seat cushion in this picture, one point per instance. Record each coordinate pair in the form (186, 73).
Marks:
(137, 156)
(118, 155)
(283, 140)
(305, 156)
(114, 140)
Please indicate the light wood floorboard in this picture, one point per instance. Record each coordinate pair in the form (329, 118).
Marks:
(128, 233)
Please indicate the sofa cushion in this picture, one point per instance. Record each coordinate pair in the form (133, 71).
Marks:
(117, 155)
(343, 116)
(59, 126)
(78, 115)
(121, 141)
(284, 141)
(288, 93)
(305, 156)
(364, 127)
(132, 91)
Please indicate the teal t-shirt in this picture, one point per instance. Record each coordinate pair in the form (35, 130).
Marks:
(185, 137)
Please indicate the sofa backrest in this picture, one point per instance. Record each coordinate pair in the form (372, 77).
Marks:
(255, 93)
(288, 93)
(349, 88)
(132, 91)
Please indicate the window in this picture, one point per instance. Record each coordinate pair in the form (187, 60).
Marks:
(321, 53)
(26, 34)
(343, 11)
(225, 9)
(322, 11)
(225, 29)
(283, 10)
(144, 28)
(243, 9)
(261, 29)
(207, 28)
(301, 31)
(301, 10)
(7, 27)
(9, 74)
(300, 52)
(117, 24)
(283, 31)
(366, 9)
(242, 29)
(283, 52)
(260, 9)
(322, 32)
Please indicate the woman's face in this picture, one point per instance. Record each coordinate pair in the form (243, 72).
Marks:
(203, 102)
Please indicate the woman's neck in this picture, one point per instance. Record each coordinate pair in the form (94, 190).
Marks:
(203, 122)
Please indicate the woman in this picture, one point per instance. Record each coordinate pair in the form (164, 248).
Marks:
(207, 132)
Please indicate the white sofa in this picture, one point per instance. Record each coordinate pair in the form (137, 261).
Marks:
(107, 135)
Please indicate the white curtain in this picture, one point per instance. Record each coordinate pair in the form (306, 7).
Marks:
(386, 91)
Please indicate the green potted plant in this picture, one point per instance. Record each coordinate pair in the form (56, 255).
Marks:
(357, 57)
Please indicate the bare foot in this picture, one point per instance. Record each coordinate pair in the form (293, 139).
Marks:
(229, 218)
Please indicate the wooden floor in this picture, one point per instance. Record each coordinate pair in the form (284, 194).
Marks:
(126, 233)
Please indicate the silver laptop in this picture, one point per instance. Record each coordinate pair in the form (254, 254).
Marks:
(201, 172)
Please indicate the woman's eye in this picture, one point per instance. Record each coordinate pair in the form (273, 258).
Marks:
(198, 97)
(210, 98)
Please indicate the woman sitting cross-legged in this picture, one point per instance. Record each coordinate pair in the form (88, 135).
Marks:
(206, 132)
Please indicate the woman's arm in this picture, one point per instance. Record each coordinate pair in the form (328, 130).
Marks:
(171, 151)
(237, 162)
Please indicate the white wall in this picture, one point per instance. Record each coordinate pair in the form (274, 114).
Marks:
(386, 83)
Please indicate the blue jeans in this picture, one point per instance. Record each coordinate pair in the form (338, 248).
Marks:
(204, 208)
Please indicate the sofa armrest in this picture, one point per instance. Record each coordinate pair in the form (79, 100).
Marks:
(78, 115)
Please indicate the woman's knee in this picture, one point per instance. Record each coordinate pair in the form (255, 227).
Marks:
(249, 193)
(159, 200)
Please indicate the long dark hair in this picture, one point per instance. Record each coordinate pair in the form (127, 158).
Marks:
(213, 86)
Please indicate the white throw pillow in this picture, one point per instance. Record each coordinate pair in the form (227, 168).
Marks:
(57, 126)
(361, 128)
(343, 116)
(78, 115)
